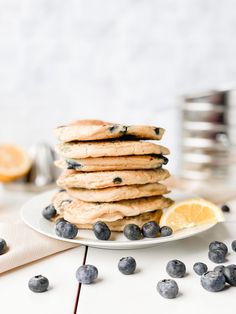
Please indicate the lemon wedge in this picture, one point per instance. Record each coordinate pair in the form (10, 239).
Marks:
(190, 213)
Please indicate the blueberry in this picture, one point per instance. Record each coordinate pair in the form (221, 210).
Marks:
(86, 274)
(127, 265)
(217, 256)
(60, 220)
(132, 232)
(225, 208)
(157, 131)
(38, 284)
(117, 127)
(61, 190)
(168, 288)
(215, 245)
(49, 212)
(72, 164)
(101, 230)
(66, 230)
(165, 160)
(114, 128)
(213, 281)
(233, 245)
(150, 229)
(200, 268)
(3, 246)
(117, 180)
(220, 268)
(166, 231)
(230, 274)
(176, 269)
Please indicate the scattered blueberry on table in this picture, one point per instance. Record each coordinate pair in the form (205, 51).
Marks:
(213, 281)
(87, 274)
(217, 256)
(166, 231)
(217, 252)
(200, 268)
(38, 283)
(233, 245)
(225, 208)
(176, 269)
(219, 268)
(66, 230)
(3, 246)
(230, 274)
(150, 229)
(49, 212)
(133, 232)
(168, 288)
(127, 265)
(215, 245)
(101, 230)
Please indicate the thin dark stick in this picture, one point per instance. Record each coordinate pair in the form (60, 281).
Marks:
(79, 287)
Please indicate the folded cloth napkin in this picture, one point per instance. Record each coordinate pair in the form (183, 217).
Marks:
(24, 244)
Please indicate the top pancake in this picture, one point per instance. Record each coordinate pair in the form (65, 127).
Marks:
(92, 130)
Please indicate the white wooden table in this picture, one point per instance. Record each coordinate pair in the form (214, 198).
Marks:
(117, 293)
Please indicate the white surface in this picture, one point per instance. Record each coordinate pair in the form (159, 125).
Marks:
(31, 213)
(116, 293)
(60, 298)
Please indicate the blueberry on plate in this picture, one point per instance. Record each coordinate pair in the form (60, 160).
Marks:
(213, 281)
(166, 231)
(150, 229)
(225, 208)
(133, 232)
(3, 246)
(168, 288)
(49, 212)
(60, 220)
(200, 268)
(215, 245)
(66, 230)
(38, 283)
(127, 265)
(233, 245)
(101, 230)
(230, 274)
(176, 269)
(86, 274)
(217, 256)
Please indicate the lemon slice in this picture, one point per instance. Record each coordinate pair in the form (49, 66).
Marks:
(14, 162)
(190, 213)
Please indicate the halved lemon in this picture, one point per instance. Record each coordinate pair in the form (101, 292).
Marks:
(14, 162)
(190, 213)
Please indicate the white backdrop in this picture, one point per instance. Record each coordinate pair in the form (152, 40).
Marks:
(124, 61)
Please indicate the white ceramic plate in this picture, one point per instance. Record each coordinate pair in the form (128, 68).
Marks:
(31, 215)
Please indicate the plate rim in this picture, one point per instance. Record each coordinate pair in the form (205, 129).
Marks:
(113, 244)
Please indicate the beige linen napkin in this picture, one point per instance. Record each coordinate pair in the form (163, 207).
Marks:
(24, 244)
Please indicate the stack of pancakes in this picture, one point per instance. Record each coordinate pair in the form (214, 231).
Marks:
(110, 174)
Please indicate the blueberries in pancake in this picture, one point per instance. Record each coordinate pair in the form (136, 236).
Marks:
(114, 127)
(157, 131)
(117, 180)
(166, 160)
(73, 165)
